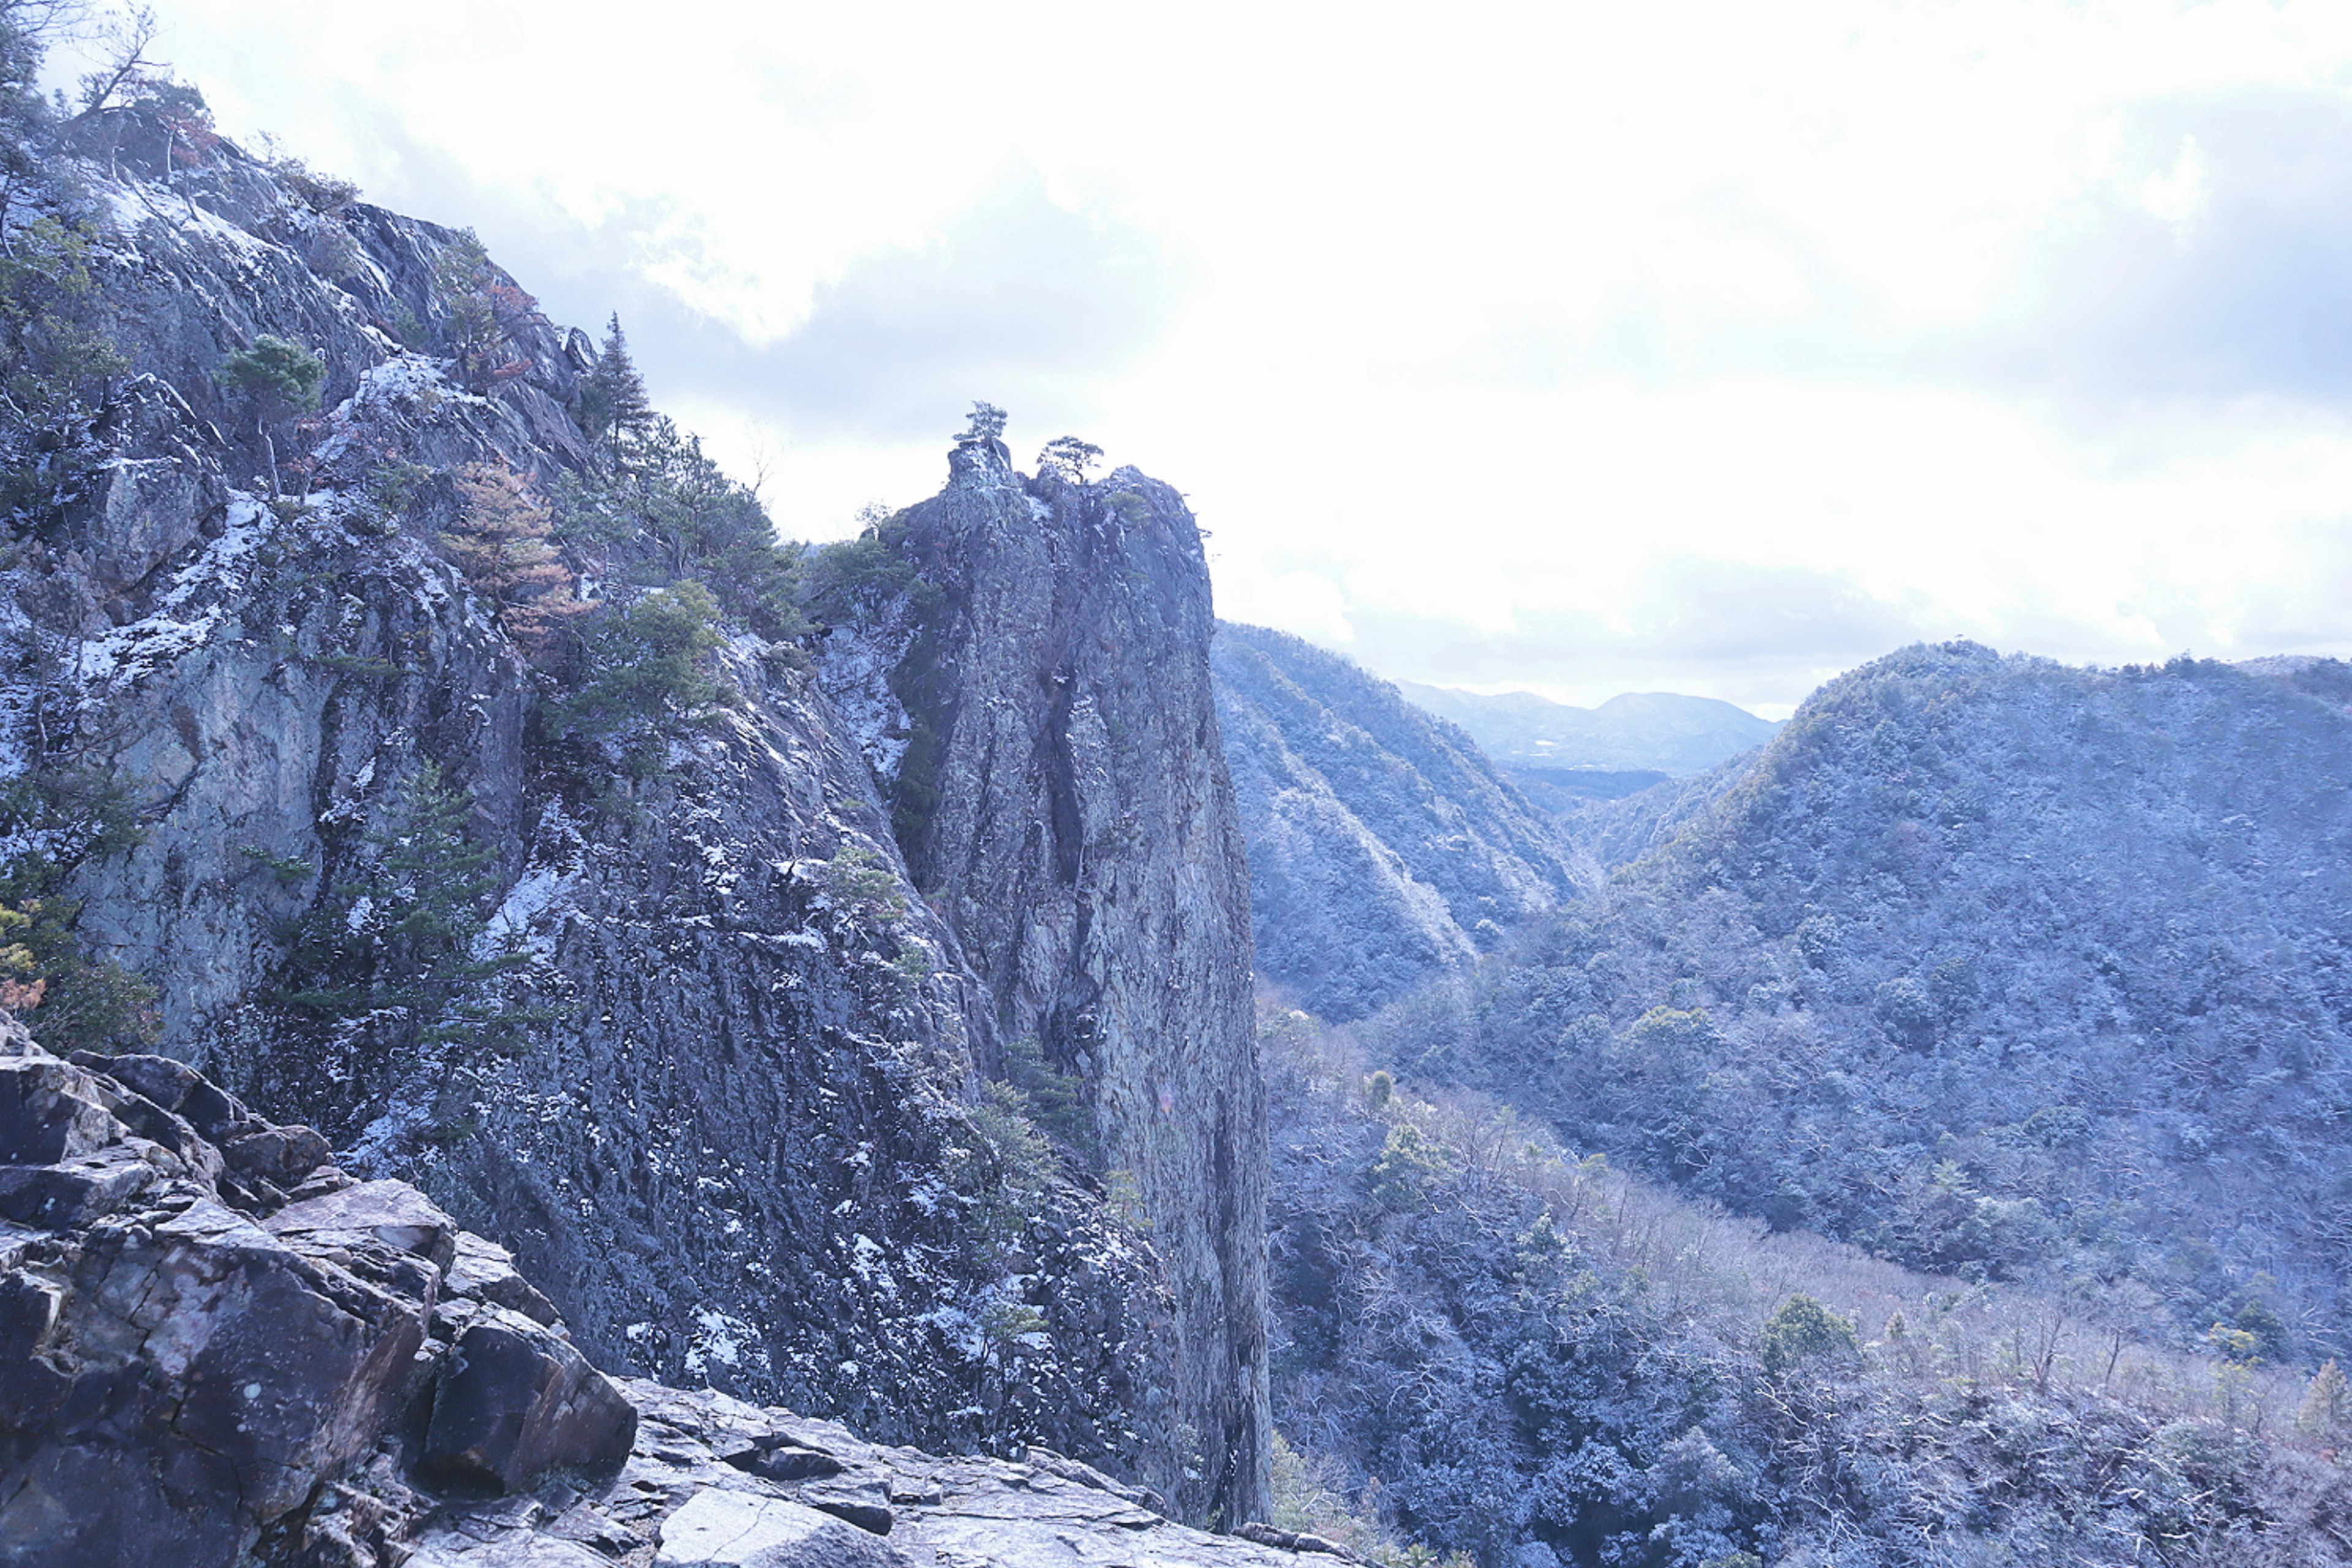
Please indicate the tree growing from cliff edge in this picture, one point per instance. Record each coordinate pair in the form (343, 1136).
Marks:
(276, 380)
(500, 541)
(1069, 458)
(614, 408)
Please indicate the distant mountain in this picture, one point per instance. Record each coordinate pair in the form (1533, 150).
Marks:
(1650, 731)
(1994, 965)
(1383, 846)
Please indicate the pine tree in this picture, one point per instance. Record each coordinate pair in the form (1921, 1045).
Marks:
(500, 541)
(405, 937)
(2326, 1403)
(277, 379)
(613, 407)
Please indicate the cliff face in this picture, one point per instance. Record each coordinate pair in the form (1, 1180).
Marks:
(722, 1092)
(1384, 846)
(1040, 708)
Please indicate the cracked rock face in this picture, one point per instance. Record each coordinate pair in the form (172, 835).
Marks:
(207, 1370)
(187, 1352)
(1048, 737)
(737, 1145)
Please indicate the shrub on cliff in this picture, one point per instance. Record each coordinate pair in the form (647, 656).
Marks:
(669, 514)
(644, 677)
(57, 368)
(275, 380)
(400, 942)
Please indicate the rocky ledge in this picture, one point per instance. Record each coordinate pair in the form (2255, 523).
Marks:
(218, 1347)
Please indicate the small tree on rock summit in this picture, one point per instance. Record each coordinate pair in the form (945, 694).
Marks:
(1069, 458)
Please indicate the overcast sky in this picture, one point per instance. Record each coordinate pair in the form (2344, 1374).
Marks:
(1580, 348)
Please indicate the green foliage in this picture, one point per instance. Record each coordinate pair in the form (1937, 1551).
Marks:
(59, 817)
(614, 411)
(59, 365)
(275, 377)
(1057, 1102)
(669, 514)
(481, 310)
(641, 677)
(1804, 1333)
(873, 582)
(400, 942)
(857, 581)
(1409, 1166)
(1011, 1168)
(1069, 458)
(320, 192)
(275, 380)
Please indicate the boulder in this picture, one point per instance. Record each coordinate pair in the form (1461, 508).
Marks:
(391, 1213)
(517, 1400)
(189, 1361)
(176, 1381)
(485, 1271)
(52, 1111)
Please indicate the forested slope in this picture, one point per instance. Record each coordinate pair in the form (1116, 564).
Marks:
(1992, 965)
(1384, 847)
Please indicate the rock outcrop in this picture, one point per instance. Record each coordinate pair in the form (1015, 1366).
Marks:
(1384, 847)
(202, 1367)
(724, 1100)
(202, 1323)
(1032, 674)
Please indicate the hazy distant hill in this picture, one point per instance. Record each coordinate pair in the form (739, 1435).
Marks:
(1383, 846)
(1991, 965)
(1651, 730)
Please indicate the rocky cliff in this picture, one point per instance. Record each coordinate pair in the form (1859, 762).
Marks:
(1029, 657)
(217, 1349)
(606, 940)
(1384, 846)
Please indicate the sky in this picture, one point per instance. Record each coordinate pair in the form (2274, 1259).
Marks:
(1570, 348)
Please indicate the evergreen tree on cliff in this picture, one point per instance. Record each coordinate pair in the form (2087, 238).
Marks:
(613, 406)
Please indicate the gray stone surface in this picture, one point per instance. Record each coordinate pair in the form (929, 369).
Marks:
(719, 1528)
(1046, 728)
(182, 1369)
(740, 1146)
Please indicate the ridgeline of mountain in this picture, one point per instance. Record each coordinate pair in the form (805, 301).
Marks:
(434, 729)
(1656, 732)
(1383, 848)
(1995, 966)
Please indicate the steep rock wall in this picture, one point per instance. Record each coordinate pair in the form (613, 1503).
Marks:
(730, 1122)
(1040, 708)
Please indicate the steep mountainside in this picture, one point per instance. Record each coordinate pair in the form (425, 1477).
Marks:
(1029, 657)
(1673, 734)
(427, 723)
(1383, 846)
(1547, 1361)
(1996, 966)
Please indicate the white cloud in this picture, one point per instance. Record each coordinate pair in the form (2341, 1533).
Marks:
(1696, 345)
